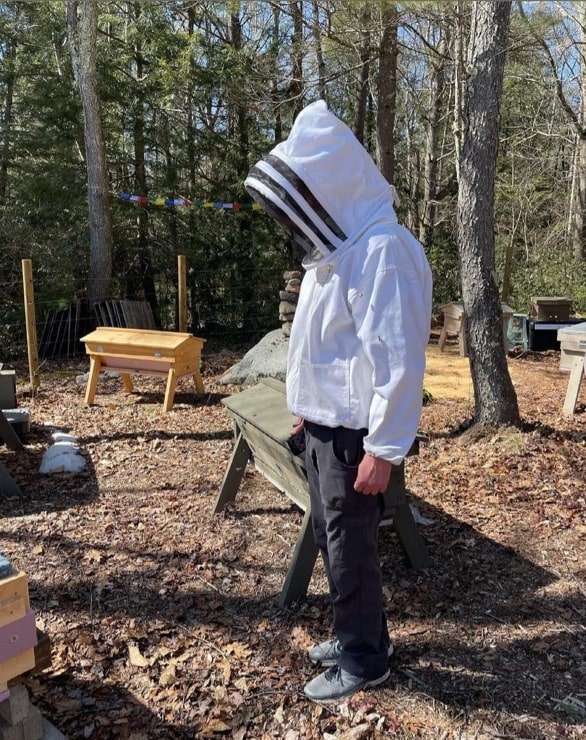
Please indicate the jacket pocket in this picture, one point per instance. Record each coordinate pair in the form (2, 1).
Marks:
(347, 446)
(324, 391)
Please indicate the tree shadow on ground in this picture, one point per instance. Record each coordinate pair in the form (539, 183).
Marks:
(45, 492)
(475, 629)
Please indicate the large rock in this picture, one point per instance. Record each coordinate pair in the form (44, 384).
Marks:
(267, 359)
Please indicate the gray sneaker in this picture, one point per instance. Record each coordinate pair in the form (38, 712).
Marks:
(328, 652)
(336, 683)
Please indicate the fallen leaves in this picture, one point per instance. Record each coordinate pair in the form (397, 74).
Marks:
(164, 619)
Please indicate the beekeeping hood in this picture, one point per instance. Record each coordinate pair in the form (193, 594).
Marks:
(321, 186)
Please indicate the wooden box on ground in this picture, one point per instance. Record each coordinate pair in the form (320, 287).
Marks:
(144, 351)
(263, 425)
(572, 341)
(454, 322)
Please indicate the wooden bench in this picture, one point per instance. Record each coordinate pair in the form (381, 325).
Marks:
(262, 426)
(573, 358)
(172, 355)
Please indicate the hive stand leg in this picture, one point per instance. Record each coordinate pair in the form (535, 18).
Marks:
(462, 338)
(302, 564)
(92, 383)
(234, 473)
(574, 382)
(198, 382)
(128, 384)
(170, 390)
(442, 338)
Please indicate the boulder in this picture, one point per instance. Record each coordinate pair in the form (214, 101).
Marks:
(267, 359)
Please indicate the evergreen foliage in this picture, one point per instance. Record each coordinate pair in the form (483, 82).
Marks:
(210, 87)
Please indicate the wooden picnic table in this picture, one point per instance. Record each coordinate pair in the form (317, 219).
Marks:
(169, 354)
(262, 425)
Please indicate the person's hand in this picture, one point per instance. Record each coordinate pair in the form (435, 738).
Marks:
(297, 426)
(373, 475)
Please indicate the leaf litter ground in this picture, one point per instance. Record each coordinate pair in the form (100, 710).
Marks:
(163, 617)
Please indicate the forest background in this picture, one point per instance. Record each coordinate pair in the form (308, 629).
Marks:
(190, 94)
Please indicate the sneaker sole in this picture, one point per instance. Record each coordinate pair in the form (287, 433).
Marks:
(342, 697)
(381, 679)
(328, 663)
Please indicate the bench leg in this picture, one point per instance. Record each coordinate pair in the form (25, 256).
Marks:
(92, 383)
(234, 473)
(7, 433)
(170, 390)
(397, 507)
(574, 382)
(8, 487)
(302, 564)
(409, 536)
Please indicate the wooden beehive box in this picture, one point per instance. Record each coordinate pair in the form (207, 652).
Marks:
(18, 635)
(148, 351)
(454, 323)
(572, 341)
(551, 308)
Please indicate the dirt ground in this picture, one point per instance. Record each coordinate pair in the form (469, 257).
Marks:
(164, 619)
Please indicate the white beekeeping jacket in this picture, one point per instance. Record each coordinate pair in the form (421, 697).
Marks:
(357, 346)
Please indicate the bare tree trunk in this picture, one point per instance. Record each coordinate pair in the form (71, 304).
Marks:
(363, 76)
(458, 84)
(430, 172)
(580, 241)
(387, 92)
(494, 394)
(82, 33)
(296, 88)
(241, 107)
(276, 93)
(7, 129)
(142, 219)
(242, 266)
(321, 66)
(411, 215)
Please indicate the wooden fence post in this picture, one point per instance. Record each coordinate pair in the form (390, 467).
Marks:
(31, 326)
(182, 293)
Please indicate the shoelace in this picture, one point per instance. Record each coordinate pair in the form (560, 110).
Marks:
(334, 673)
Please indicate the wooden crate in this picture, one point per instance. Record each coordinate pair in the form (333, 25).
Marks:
(143, 351)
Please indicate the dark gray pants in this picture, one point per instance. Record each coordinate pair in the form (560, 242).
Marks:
(345, 527)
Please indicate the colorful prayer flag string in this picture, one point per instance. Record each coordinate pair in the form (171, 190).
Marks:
(143, 200)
